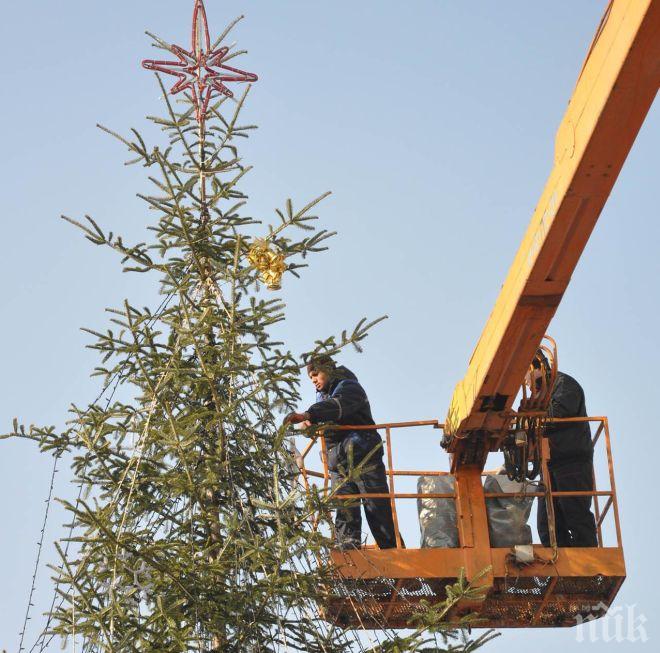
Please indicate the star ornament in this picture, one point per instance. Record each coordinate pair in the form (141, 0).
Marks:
(200, 70)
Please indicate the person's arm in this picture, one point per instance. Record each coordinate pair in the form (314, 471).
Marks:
(348, 398)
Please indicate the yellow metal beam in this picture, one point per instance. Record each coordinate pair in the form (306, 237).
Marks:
(614, 91)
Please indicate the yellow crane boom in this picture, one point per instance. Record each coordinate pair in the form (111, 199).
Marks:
(615, 89)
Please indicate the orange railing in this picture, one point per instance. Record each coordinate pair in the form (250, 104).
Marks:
(549, 494)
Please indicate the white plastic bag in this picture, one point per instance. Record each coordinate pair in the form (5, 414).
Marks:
(437, 517)
(508, 516)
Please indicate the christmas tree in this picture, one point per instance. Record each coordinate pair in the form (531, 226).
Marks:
(191, 531)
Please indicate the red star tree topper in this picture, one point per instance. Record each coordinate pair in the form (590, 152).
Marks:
(201, 70)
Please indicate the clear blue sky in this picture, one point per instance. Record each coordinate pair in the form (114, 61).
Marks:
(433, 124)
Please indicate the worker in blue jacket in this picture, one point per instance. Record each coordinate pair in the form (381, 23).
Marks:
(355, 458)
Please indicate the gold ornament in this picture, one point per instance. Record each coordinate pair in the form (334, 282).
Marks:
(270, 264)
(258, 254)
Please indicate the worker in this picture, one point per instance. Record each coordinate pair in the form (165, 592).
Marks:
(571, 463)
(355, 458)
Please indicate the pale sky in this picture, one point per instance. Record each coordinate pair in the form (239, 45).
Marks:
(433, 123)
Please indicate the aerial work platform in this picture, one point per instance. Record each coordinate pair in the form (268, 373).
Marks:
(376, 588)
(385, 587)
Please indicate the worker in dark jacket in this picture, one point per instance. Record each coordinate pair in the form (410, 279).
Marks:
(355, 458)
(570, 468)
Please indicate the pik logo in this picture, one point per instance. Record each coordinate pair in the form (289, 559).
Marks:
(616, 624)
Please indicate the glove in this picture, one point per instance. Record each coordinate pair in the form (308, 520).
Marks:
(296, 418)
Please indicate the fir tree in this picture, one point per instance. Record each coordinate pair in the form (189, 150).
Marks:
(191, 532)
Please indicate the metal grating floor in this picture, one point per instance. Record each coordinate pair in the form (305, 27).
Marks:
(526, 602)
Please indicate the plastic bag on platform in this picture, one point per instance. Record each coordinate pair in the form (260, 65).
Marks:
(437, 517)
(508, 516)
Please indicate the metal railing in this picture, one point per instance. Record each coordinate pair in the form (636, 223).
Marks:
(391, 472)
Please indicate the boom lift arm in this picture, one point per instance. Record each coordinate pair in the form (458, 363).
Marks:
(614, 92)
